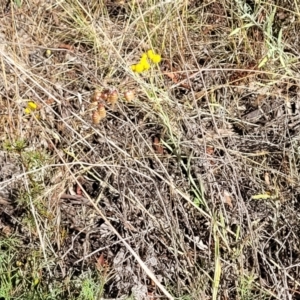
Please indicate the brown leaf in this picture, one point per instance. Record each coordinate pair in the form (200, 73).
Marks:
(172, 75)
(65, 46)
(177, 79)
(210, 150)
(101, 263)
(267, 178)
(157, 146)
(227, 198)
(50, 101)
(78, 190)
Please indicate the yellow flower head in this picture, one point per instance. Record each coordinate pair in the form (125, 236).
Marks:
(144, 56)
(31, 105)
(139, 68)
(146, 65)
(27, 110)
(144, 62)
(156, 58)
(48, 53)
(150, 53)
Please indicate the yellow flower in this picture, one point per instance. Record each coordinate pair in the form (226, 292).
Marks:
(48, 53)
(31, 105)
(27, 110)
(150, 53)
(156, 58)
(144, 56)
(146, 65)
(139, 68)
(144, 62)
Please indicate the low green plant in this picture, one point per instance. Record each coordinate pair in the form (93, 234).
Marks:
(14, 146)
(245, 287)
(8, 271)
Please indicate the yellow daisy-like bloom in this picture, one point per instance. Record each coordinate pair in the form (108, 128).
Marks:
(27, 110)
(143, 59)
(156, 58)
(150, 53)
(139, 68)
(144, 62)
(31, 105)
(146, 65)
(144, 56)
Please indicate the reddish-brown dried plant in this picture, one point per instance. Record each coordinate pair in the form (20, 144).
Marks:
(96, 96)
(96, 117)
(113, 98)
(157, 146)
(101, 111)
(99, 114)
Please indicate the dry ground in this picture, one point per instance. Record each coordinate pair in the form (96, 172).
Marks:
(188, 191)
